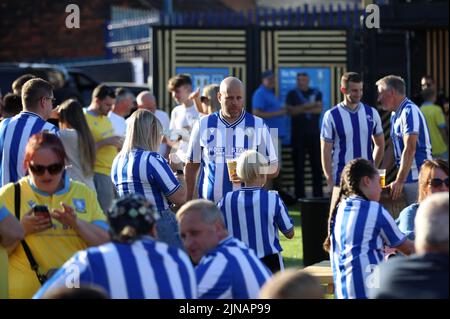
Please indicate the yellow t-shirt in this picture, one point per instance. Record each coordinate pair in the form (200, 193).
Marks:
(101, 128)
(3, 273)
(435, 120)
(53, 247)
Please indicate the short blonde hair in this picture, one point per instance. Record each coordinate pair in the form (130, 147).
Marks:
(250, 165)
(142, 122)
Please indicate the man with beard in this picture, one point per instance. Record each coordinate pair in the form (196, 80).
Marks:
(348, 130)
(217, 140)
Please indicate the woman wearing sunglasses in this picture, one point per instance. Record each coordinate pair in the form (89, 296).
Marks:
(433, 178)
(75, 222)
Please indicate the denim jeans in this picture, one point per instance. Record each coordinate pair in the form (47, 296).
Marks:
(167, 228)
(105, 191)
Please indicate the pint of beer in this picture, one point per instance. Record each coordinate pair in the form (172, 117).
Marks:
(382, 173)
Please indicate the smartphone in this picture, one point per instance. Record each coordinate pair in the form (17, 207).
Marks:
(42, 210)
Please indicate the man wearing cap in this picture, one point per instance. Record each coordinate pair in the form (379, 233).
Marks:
(134, 265)
(266, 105)
(304, 105)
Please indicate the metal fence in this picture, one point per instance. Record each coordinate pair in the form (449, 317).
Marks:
(130, 29)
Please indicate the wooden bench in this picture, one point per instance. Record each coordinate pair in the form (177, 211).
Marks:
(323, 272)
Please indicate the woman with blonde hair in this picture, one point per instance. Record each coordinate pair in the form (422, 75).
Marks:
(208, 102)
(78, 142)
(254, 215)
(139, 169)
(433, 178)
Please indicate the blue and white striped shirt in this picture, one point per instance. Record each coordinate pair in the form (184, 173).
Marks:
(146, 269)
(145, 173)
(230, 271)
(351, 133)
(254, 216)
(14, 136)
(360, 229)
(214, 140)
(408, 120)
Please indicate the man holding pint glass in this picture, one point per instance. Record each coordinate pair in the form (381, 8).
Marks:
(218, 139)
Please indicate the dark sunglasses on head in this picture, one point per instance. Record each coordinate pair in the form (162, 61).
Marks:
(53, 169)
(437, 182)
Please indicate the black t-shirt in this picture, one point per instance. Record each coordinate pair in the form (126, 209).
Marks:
(304, 124)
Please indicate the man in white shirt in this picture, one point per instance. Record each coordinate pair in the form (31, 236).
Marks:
(120, 109)
(184, 115)
(146, 100)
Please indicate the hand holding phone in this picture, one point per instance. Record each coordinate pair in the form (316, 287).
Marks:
(42, 211)
(36, 220)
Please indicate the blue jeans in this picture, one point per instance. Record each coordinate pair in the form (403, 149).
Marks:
(167, 229)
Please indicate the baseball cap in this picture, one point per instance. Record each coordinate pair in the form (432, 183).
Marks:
(267, 74)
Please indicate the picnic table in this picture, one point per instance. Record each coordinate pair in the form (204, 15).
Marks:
(322, 271)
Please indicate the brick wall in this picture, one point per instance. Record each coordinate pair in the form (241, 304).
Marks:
(33, 30)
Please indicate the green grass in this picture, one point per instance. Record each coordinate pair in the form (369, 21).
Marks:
(293, 248)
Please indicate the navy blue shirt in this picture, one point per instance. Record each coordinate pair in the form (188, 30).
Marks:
(304, 124)
(265, 100)
(414, 277)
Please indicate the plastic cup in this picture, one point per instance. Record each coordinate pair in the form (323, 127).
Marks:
(382, 173)
(231, 165)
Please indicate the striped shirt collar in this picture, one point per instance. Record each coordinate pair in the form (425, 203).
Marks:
(404, 102)
(31, 114)
(357, 197)
(252, 188)
(239, 120)
(225, 241)
(345, 107)
(62, 191)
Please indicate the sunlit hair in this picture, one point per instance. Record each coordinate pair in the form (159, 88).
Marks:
(392, 82)
(351, 177)
(250, 165)
(425, 175)
(431, 224)
(40, 141)
(143, 131)
(71, 115)
(177, 81)
(210, 91)
(33, 90)
(209, 212)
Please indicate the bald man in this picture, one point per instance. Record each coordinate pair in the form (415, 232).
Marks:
(146, 100)
(220, 138)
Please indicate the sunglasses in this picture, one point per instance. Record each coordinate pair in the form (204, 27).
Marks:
(437, 182)
(53, 169)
